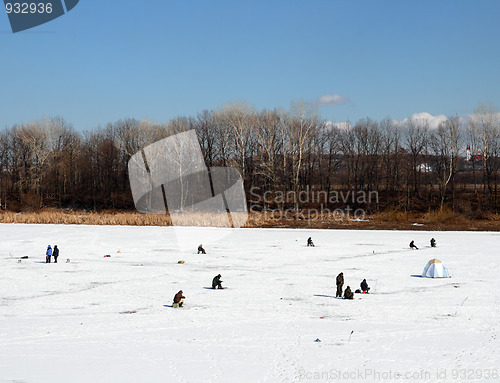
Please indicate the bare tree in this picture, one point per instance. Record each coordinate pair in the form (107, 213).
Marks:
(300, 127)
(445, 143)
(267, 132)
(484, 127)
(416, 142)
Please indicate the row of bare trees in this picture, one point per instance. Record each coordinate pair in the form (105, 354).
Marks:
(410, 165)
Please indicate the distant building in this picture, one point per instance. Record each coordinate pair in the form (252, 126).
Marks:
(424, 168)
(473, 157)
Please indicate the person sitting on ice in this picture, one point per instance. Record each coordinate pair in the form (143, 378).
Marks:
(178, 299)
(412, 245)
(201, 250)
(433, 242)
(48, 254)
(348, 294)
(310, 242)
(364, 287)
(216, 282)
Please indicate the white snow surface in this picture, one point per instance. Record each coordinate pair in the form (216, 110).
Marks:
(71, 322)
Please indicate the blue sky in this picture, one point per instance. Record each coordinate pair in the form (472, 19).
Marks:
(157, 59)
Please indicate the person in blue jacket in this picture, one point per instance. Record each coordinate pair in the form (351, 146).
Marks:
(48, 254)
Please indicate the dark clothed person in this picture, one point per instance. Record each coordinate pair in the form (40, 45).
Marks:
(364, 286)
(178, 298)
(340, 283)
(55, 253)
(348, 294)
(216, 282)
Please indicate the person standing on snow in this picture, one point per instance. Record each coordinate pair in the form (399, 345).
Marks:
(48, 254)
(340, 283)
(433, 242)
(55, 253)
(310, 242)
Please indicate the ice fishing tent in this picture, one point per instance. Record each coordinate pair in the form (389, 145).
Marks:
(435, 269)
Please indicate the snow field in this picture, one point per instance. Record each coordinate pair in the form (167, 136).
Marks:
(72, 321)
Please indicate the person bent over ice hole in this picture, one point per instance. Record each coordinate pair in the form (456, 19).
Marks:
(216, 282)
(412, 245)
(55, 253)
(340, 283)
(348, 294)
(201, 250)
(178, 299)
(433, 242)
(310, 242)
(48, 254)
(364, 287)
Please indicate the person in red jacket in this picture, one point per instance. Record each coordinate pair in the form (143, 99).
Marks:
(178, 298)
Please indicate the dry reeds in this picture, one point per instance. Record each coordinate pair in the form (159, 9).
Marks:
(392, 219)
(119, 218)
(86, 218)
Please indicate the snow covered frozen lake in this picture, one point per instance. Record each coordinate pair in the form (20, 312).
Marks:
(72, 322)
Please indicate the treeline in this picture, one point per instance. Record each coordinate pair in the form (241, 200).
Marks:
(411, 166)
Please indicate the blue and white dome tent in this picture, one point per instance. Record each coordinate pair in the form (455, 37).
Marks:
(435, 269)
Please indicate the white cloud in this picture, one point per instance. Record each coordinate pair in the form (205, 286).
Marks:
(423, 117)
(342, 125)
(420, 118)
(332, 100)
(493, 117)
